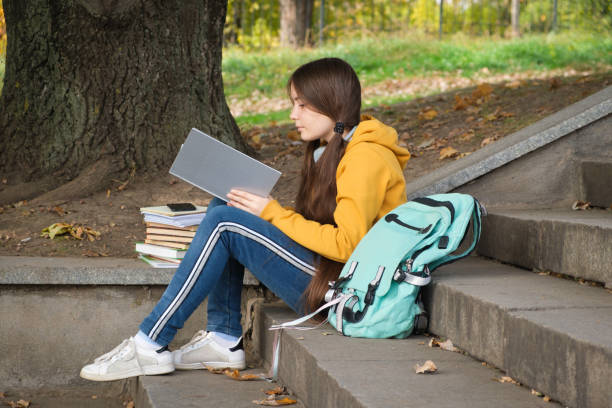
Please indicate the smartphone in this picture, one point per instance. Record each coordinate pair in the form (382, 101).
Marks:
(181, 206)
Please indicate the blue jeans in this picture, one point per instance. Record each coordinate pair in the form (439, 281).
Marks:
(227, 240)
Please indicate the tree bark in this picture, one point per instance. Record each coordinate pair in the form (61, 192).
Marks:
(115, 81)
(515, 14)
(295, 18)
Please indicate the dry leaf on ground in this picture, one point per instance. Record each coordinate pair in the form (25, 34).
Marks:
(461, 103)
(130, 404)
(19, 404)
(536, 393)
(546, 398)
(448, 152)
(293, 135)
(444, 345)
(506, 379)
(235, 375)
(271, 401)
(428, 114)
(581, 205)
(482, 91)
(427, 368)
(276, 391)
(486, 141)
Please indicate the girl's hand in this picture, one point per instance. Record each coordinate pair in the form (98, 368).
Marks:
(248, 202)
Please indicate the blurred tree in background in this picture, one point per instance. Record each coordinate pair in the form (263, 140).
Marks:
(256, 24)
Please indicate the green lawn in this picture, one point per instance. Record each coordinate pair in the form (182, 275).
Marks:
(245, 74)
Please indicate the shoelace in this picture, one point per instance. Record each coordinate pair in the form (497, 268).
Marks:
(200, 335)
(114, 353)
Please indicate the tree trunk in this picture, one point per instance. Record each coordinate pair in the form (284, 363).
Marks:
(295, 17)
(113, 82)
(515, 13)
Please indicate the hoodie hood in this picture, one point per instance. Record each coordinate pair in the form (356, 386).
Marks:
(371, 130)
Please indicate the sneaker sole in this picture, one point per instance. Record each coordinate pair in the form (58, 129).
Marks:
(240, 365)
(154, 370)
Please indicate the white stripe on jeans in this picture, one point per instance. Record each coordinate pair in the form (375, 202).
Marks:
(203, 258)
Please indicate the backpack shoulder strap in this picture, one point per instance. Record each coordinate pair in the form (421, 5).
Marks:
(477, 211)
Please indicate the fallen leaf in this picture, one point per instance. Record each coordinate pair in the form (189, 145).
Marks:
(130, 404)
(19, 404)
(461, 103)
(293, 135)
(215, 370)
(94, 397)
(426, 368)
(469, 119)
(546, 398)
(428, 114)
(235, 375)
(581, 205)
(447, 345)
(326, 334)
(108, 193)
(467, 136)
(482, 91)
(554, 83)
(506, 379)
(272, 402)
(536, 393)
(514, 84)
(486, 141)
(448, 152)
(276, 391)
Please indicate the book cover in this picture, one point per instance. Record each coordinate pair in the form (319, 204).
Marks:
(169, 238)
(159, 250)
(156, 263)
(167, 244)
(181, 221)
(165, 210)
(171, 227)
(168, 231)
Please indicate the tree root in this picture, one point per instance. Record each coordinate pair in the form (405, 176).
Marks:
(91, 180)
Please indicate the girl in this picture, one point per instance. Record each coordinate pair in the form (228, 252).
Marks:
(351, 176)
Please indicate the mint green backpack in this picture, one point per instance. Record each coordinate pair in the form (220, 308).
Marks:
(376, 294)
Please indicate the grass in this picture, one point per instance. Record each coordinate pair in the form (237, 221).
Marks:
(247, 74)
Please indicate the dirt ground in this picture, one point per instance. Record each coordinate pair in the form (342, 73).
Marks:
(436, 130)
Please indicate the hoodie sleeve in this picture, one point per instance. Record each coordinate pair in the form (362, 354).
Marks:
(362, 178)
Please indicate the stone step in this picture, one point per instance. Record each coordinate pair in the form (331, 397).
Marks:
(552, 334)
(574, 243)
(199, 388)
(327, 370)
(596, 181)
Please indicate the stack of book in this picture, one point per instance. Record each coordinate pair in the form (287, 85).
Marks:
(169, 234)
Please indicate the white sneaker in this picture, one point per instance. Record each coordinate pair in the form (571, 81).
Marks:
(128, 360)
(203, 350)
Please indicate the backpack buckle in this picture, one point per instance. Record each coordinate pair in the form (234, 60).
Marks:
(400, 275)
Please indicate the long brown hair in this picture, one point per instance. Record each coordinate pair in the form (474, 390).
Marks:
(329, 86)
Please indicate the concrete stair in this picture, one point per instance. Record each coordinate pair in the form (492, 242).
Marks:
(327, 370)
(199, 388)
(574, 243)
(552, 334)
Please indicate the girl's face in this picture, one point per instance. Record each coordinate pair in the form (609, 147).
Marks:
(311, 124)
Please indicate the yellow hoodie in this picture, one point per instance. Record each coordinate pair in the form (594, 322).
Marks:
(370, 183)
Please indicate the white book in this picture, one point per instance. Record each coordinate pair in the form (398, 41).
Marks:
(166, 211)
(157, 263)
(179, 221)
(158, 250)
